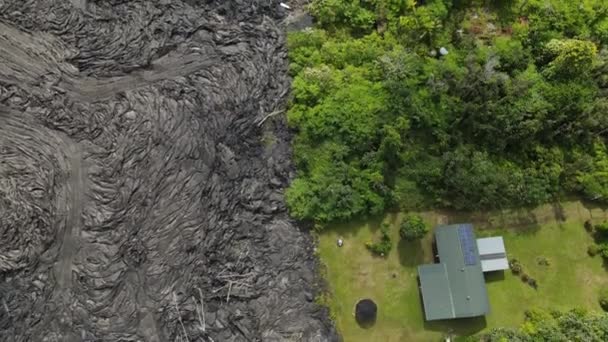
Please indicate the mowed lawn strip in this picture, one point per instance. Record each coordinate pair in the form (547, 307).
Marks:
(572, 278)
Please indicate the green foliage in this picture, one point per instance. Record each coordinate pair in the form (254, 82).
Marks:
(561, 18)
(601, 30)
(514, 115)
(359, 16)
(570, 58)
(362, 17)
(334, 189)
(501, 335)
(593, 250)
(542, 261)
(512, 55)
(532, 282)
(385, 245)
(588, 226)
(472, 179)
(323, 299)
(594, 182)
(600, 235)
(407, 194)
(515, 266)
(603, 249)
(602, 228)
(603, 298)
(412, 228)
(349, 115)
(540, 326)
(424, 23)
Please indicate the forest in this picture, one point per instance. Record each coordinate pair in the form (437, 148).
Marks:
(462, 104)
(573, 325)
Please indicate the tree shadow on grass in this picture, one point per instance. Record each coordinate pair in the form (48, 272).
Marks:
(411, 253)
(350, 229)
(596, 211)
(559, 212)
(523, 220)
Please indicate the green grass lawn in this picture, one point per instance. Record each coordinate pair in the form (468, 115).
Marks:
(556, 233)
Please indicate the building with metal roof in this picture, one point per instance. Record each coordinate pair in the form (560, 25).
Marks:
(455, 287)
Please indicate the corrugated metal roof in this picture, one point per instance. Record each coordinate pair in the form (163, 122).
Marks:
(467, 289)
(434, 284)
(491, 245)
(494, 265)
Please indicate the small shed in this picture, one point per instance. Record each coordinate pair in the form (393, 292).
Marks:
(492, 254)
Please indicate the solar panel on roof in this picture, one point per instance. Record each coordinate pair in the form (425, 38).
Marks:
(467, 244)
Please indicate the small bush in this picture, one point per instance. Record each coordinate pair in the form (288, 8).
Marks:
(593, 250)
(515, 266)
(603, 298)
(525, 277)
(384, 246)
(588, 226)
(532, 282)
(323, 299)
(380, 248)
(602, 228)
(542, 261)
(412, 228)
(603, 250)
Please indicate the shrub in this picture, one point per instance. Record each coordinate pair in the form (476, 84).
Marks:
(573, 325)
(532, 282)
(381, 248)
(593, 250)
(323, 299)
(588, 226)
(384, 246)
(412, 228)
(603, 298)
(570, 57)
(517, 269)
(602, 228)
(515, 266)
(542, 261)
(603, 250)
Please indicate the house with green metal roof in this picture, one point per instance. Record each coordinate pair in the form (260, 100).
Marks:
(455, 287)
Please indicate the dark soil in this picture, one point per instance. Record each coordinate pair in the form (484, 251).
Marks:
(142, 178)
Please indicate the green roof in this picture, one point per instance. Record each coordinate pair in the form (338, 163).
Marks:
(454, 288)
(434, 284)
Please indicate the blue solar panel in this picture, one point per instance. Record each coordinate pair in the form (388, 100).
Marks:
(467, 244)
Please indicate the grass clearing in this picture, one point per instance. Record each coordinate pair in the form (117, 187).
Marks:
(554, 232)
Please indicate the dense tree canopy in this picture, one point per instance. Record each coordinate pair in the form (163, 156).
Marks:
(540, 326)
(514, 114)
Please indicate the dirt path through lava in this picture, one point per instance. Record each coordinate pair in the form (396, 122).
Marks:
(71, 234)
(92, 90)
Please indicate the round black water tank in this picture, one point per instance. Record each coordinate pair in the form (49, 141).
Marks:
(365, 312)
